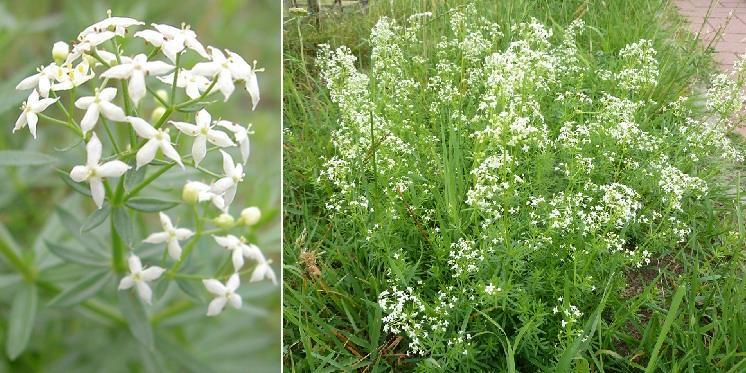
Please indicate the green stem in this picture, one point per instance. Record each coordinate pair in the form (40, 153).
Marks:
(202, 96)
(117, 247)
(110, 135)
(176, 76)
(147, 181)
(23, 267)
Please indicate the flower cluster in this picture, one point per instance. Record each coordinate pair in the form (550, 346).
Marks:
(498, 157)
(97, 64)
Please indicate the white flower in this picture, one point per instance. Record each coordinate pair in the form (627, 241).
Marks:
(69, 77)
(172, 40)
(238, 250)
(157, 139)
(194, 84)
(140, 277)
(30, 108)
(116, 25)
(219, 67)
(263, 271)
(93, 172)
(135, 70)
(204, 193)
(245, 72)
(233, 175)
(98, 104)
(42, 80)
(88, 43)
(171, 236)
(242, 137)
(224, 294)
(202, 132)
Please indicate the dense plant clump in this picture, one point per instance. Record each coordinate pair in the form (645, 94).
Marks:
(506, 179)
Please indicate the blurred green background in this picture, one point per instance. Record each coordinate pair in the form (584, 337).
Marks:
(72, 339)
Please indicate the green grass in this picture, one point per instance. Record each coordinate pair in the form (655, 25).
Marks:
(36, 206)
(682, 312)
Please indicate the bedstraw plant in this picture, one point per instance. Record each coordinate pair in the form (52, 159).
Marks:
(499, 186)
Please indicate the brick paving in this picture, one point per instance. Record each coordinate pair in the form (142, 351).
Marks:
(726, 15)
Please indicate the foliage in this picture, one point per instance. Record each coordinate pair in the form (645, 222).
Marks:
(510, 186)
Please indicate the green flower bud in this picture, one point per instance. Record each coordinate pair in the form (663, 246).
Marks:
(190, 193)
(60, 51)
(157, 113)
(224, 221)
(162, 94)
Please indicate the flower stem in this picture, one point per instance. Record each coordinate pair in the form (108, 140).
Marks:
(147, 181)
(117, 247)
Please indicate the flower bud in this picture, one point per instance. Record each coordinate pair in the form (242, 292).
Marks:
(250, 216)
(60, 50)
(157, 113)
(224, 221)
(190, 193)
(162, 94)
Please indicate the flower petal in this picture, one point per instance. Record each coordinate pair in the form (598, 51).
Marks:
(20, 122)
(208, 69)
(225, 84)
(113, 168)
(93, 151)
(186, 128)
(136, 86)
(152, 273)
(182, 233)
(199, 149)
(126, 283)
(153, 37)
(203, 118)
(228, 242)
(29, 82)
(134, 264)
(112, 112)
(107, 94)
(143, 290)
(157, 67)
(97, 191)
(219, 138)
(43, 104)
(228, 165)
(223, 184)
(79, 173)
(89, 119)
(230, 193)
(174, 249)
(214, 286)
(216, 306)
(170, 152)
(84, 102)
(159, 237)
(122, 71)
(235, 300)
(142, 128)
(32, 119)
(237, 258)
(252, 86)
(147, 152)
(233, 282)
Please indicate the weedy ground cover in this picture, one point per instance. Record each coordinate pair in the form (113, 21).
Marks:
(127, 240)
(520, 186)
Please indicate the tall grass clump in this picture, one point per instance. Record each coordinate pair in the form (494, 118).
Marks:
(512, 189)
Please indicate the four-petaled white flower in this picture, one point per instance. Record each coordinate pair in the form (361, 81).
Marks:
(194, 84)
(42, 80)
(157, 139)
(242, 136)
(241, 70)
(116, 25)
(93, 172)
(233, 175)
(140, 277)
(224, 294)
(30, 108)
(99, 103)
(238, 250)
(202, 132)
(171, 236)
(172, 40)
(135, 70)
(219, 67)
(88, 43)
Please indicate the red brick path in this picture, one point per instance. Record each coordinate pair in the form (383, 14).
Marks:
(728, 15)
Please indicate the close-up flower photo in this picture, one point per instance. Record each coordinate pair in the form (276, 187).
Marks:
(514, 186)
(140, 186)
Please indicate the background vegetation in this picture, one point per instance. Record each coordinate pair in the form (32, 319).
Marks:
(36, 206)
(683, 311)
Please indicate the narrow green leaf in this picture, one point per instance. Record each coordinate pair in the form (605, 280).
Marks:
(150, 204)
(81, 290)
(182, 357)
(76, 256)
(123, 225)
(188, 288)
(133, 177)
(194, 107)
(92, 242)
(21, 320)
(672, 312)
(78, 187)
(24, 158)
(95, 219)
(137, 320)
